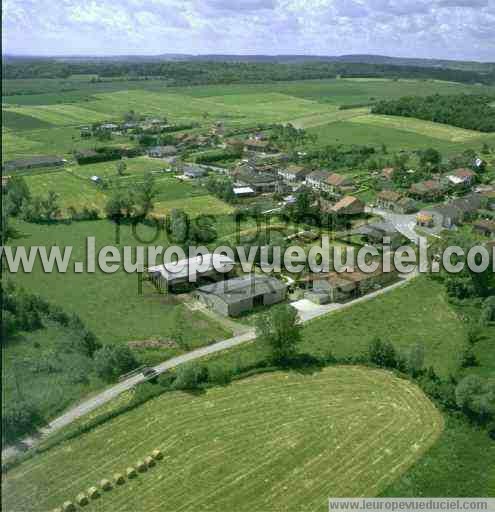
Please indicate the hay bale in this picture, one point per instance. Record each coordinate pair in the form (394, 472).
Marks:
(149, 461)
(68, 506)
(131, 472)
(82, 499)
(106, 485)
(58, 509)
(119, 479)
(93, 493)
(141, 466)
(157, 454)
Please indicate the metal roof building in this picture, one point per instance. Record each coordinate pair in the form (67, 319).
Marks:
(190, 270)
(233, 297)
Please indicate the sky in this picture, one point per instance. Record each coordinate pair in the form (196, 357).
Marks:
(445, 29)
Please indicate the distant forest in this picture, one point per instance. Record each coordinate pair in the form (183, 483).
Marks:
(472, 112)
(216, 72)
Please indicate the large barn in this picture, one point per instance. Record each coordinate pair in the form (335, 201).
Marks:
(192, 270)
(233, 297)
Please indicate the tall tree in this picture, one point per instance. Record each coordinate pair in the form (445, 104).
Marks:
(280, 331)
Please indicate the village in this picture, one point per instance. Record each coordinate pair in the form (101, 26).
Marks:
(269, 176)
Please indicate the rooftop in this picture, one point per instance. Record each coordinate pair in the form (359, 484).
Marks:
(191, 267)
(242, 288)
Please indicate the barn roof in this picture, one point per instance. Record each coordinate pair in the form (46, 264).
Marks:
(242, 288)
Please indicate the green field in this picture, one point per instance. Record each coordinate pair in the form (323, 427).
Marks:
(272, 442)
(110, 304)
(417, 313)
(426, 128)
(312, 104)
(74, 187)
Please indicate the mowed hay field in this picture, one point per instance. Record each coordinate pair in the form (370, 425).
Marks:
(268, 443)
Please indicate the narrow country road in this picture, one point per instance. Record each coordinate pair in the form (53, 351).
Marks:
(307, 311)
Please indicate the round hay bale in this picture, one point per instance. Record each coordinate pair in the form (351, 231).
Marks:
(68, 506)
(93, 493)
(141, 466)
(157, 454)
(106, 485)
(149, 461)
(82, 499)
(119, 479)
(131, 472)
(58, 509)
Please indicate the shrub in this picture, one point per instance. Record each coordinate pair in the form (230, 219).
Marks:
(219, 374)
(112, 361)
(191, 376)
(382, 353)
(19, 418)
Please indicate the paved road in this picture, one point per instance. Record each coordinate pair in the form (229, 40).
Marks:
(307, 311)
(404, 224)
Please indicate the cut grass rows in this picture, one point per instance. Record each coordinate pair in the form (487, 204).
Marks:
(278, 441)
(427, 128)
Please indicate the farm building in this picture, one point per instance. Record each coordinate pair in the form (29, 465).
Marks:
(395, 202)
(341, 286)
(162, 151)
(258, 146)
(316, 180)
(193, 171)
(485, 227)
(375, 233)
(388, 173)
(451, 214)
(233, 297)
(260, 182)
(191, 270)
(243, 191)
(109, 126)
(349, 205)
(462, 178)
(337, 184)
(34, 162)
(293, 173)
(429, 189)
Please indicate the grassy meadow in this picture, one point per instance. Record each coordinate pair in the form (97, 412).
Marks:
(47, 122)
(111, 304)
(279, 440)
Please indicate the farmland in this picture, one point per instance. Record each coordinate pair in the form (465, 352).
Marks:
(237, 448)
(278, 440)
(310, 104)
(95, 296)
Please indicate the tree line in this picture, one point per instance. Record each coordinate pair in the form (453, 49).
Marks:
(222, 72)
(468, 111)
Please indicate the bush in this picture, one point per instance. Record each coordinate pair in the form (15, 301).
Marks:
(113, 361)
(19, 418)
(382, 353)
(191, 376)
(219, 374)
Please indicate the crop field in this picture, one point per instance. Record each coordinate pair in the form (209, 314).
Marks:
(312, 104)
(61, 115)
(16, 121)
(272, 442)
(426, 128)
